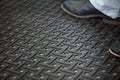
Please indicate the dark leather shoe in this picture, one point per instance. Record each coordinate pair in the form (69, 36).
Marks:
(84, 9)
(115, 49)
(81, 9)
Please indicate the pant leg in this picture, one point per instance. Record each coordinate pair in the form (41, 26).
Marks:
(110, 8)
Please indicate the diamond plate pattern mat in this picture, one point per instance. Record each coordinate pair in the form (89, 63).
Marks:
(38, 41)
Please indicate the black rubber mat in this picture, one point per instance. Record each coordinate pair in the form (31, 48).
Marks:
(38, 41)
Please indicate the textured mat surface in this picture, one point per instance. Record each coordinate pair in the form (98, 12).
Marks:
(38, 41)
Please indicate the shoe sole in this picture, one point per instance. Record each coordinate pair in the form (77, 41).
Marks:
(113, 53)
(72, 14)
(112, 22)
(91, 16)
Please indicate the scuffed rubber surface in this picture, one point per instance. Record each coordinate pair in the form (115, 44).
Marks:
(38, 41)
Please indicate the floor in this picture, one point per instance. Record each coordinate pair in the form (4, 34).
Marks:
(38, 41)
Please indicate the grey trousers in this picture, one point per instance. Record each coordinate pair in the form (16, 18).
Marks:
(110, 8)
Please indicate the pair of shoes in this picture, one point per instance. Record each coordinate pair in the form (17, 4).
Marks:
(115, 49)
(84, 9)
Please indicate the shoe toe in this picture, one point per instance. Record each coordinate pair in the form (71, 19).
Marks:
(72, 5)
(116, 47)
(68, 5)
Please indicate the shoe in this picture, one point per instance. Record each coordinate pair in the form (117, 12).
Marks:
(81, 9)
(115, 49)
(84, 9)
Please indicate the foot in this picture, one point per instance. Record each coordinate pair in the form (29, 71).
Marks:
(84, 9)
(115, 49)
